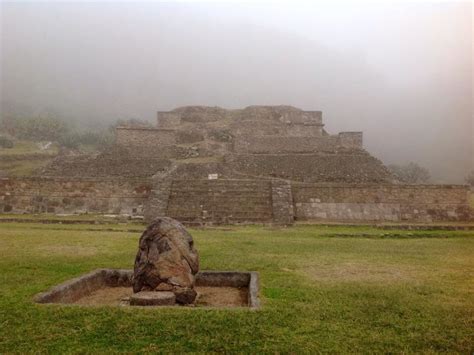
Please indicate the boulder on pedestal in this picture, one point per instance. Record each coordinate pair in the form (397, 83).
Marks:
(166, 260)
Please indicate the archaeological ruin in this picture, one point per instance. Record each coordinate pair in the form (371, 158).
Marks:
(260, 164)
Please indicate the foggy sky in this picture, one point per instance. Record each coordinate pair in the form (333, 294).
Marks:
(402, 73)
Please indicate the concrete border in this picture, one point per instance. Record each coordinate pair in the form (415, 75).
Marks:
(70, 291)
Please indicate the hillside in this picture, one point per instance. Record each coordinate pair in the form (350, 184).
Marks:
(26, 158)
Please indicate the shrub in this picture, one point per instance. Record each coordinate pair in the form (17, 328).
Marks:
(99, 140)
(40, 128)
(70, 140)
(410, 173)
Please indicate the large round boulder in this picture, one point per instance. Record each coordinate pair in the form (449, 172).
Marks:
(166, 260)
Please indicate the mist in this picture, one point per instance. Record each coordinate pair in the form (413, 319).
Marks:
(401, 73)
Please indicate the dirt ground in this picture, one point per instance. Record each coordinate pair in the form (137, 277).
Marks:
(222, 296)
(207, 297)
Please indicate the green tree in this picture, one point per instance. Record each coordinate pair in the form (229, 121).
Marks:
(410, 173)
(45, 128)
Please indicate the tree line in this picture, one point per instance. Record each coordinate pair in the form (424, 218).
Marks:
(66, 135)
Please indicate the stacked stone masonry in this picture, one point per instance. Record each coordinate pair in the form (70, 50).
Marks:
(351, 167)
(221, 201)
(285, 144)
(373, 202)
(237, 201)
(282, 202)
(62, 195)
(132, 137)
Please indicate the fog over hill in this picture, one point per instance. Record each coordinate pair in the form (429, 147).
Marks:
(400, 73)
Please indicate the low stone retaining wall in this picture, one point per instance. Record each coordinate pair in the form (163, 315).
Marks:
(69, 195)
(299, 144)
(372, 202)
(237, 201)
(73, 290)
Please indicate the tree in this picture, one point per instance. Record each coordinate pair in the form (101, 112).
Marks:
(470, 179)
(44, 128)
(410, 173)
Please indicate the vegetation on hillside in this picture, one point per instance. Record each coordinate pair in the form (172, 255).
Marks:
(54, 129)
(28, 144)
(410, 173)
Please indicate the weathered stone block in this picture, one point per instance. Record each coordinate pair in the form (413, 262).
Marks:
(153, 298)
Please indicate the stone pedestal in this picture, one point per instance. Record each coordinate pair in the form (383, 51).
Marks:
(153, 298)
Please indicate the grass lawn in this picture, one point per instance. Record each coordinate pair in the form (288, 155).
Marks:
(25, 158)
(323, 289)
(28, 147)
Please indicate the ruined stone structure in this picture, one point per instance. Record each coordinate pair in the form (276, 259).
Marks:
(258, 141)
(259, 164)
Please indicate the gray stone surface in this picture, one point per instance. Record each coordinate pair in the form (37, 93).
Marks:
(72, 290)
(153, 298)
(282, 203)
(166, 254)
(157, 203)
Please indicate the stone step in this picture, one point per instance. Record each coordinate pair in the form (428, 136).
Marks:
(218, 210)
(221, 220)
(223, 191)
(219, 213)
(227, 201)
(256, 216)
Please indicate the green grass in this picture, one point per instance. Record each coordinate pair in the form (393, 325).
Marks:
(23, 167)
(323, 289)
(28, 147)
(25, 158)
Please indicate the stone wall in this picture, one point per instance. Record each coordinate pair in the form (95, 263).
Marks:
(282, 202)
(303, 130)
(220, 201)
(286, 144)
(351, 140)
(344, 166)
(168, 120)
(295, 116)
(63, 195)
(370, 202)
(237, 201)
(137, 137)
(118, 162)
